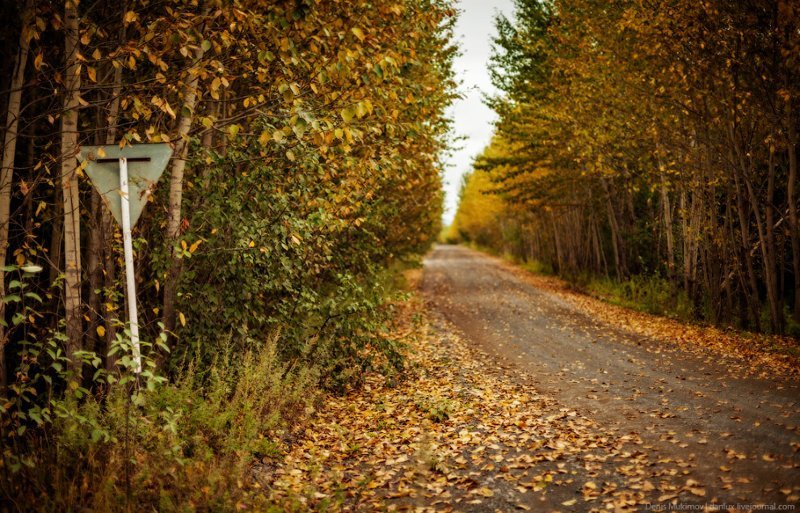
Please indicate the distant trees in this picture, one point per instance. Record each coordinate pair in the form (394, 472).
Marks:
(655, 139)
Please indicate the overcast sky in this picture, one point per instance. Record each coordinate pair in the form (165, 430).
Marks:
(473, 119)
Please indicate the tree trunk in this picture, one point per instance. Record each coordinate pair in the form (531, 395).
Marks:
(7, 168)
(559, 250)
(766, 240)
(744, 230)
(616, 238)
(69, 186)
(176, 194)
(667, 216)
(794, 229)
(103, 236)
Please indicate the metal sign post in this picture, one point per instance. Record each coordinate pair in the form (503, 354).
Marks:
(139, 168)
(127, 248)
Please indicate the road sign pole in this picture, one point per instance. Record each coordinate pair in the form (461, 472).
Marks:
(127, 244)
(125, 196)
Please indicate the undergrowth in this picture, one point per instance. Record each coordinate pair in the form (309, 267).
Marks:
(182, 446)
(649, 294)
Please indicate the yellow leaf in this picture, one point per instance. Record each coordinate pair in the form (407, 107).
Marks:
(347, 115)
(264, 138)
(570, 502)
(101, 331)
(358, 33)
(696, 490)
(195, 245)
(92, 73)
(182, 319)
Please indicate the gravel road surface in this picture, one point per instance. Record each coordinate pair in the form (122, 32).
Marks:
(739, 437)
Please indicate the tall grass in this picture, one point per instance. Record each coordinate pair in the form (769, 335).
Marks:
(184, 446)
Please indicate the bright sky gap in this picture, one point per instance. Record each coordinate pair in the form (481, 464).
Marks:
(473, 120)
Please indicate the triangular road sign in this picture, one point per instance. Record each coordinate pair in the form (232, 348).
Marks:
(146, 162)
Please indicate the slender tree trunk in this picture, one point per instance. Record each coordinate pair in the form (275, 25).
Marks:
(94, 271)
(7, 167)
(108, 226)
(667, 217)
(773, 271)
(176, 193)
(744, 230)
(696, 228)
(69, 185)
(794, 229)
(766, 242)
(616, 240)
(102, 272)
(559, 250)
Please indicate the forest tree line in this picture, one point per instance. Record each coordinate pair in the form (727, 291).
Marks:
(649, 139)
(306, 141)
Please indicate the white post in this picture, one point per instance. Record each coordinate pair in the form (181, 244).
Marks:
(127, 243)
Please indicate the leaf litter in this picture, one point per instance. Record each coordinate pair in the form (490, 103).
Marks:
(457, 433)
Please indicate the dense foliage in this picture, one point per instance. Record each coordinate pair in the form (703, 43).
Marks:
(651, 140)
(307, 138)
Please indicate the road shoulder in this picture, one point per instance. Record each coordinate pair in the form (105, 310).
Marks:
(461, 432)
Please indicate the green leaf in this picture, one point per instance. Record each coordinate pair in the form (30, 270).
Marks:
(35, 296)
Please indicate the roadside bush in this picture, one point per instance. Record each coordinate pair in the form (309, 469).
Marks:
(183, 446)
(651, 294)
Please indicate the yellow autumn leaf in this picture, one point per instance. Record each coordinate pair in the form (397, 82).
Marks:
(101, 331)
(182, 318)
(358, 33)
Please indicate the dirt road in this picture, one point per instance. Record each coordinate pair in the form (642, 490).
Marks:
(737, 437)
